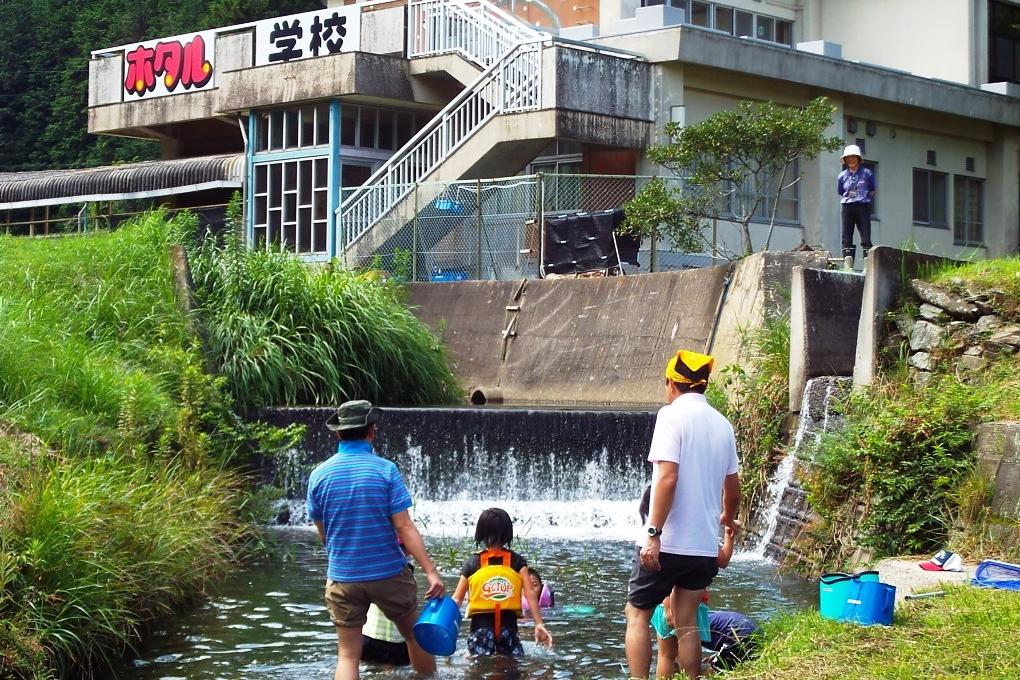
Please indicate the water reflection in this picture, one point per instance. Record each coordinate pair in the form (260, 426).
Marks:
(269, 621)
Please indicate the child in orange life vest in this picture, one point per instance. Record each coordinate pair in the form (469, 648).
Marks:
(495, 580)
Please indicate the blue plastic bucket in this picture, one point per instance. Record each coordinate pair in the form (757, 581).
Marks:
(438, 625)
(870, 603)
(833, 590)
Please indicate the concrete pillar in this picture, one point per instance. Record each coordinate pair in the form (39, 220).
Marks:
(825, 310)
(1002, 194)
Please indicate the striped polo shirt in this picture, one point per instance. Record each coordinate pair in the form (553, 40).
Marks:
(354, 494)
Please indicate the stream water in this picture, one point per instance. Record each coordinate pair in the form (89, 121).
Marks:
(269, 620)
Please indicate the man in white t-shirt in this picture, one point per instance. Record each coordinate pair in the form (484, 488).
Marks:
(695, 488)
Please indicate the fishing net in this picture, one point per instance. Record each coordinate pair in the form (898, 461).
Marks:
(993, 574)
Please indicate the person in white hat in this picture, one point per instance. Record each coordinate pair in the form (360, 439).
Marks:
(856, 188)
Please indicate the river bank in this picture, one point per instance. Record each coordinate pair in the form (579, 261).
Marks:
(968, 633)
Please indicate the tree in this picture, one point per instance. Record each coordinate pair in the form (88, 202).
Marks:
(732, 163)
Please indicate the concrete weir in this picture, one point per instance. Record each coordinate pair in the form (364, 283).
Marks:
(600, 341)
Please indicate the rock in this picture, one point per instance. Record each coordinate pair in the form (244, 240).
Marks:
(926, 336)
(283, 516)
(1007, 335)
(953, 304)
(982, 301)
(932, 313)
(921, 361)
(974, 351)
(989, 322)
(971, 363)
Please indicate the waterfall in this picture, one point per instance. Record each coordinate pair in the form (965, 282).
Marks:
(814, 420)
(559, 473)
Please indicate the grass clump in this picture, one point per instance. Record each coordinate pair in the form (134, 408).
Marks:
(94, 548)
(999, 279)
(284, 334)
(114, 444)
(756, 402)
(969, 633)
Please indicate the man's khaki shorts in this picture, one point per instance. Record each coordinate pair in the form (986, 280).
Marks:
(348, 602)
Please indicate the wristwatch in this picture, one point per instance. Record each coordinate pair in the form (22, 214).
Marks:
(654, 531)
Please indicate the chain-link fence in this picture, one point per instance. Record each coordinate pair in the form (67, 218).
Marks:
(495, 228)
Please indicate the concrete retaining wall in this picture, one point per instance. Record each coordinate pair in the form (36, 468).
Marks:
(599, 341)
(825, 311)
(998, 452)
(886, 272)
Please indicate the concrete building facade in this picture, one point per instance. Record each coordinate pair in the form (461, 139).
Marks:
(339, 111)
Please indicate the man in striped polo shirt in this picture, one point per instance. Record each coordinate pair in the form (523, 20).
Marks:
(359, 504)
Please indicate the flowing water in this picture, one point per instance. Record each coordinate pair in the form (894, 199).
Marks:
(269, 620)
(570, 480)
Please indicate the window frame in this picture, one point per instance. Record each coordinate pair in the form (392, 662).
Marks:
(963, 225)
(930, 175)
(763, 214)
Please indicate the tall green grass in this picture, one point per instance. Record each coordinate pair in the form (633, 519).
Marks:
(84, 326)
(282, 333)
(92, 549)
(113, 446)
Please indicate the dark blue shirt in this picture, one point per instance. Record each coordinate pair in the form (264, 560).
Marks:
(855, 187)
(354, 494)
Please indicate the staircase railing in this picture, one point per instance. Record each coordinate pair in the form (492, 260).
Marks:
(511, 82)
(476, 29)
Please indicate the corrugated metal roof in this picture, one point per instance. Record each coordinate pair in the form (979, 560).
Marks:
(118, 182)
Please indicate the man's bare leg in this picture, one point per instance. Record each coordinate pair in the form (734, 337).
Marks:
(421, 661)
(685, 616)
(348, 653)
(638, 641)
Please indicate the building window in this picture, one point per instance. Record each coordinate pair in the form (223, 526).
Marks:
(292, 205)
(1003, 42)
(788, 210)
(732, 21)
(560, 159)
(930, 190)
(968, 211)
(290, 129)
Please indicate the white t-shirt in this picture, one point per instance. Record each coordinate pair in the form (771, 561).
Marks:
(700, 440)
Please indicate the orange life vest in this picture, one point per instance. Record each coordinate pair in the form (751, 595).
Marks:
(494, 588)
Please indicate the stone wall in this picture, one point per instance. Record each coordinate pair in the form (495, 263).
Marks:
(961, 331)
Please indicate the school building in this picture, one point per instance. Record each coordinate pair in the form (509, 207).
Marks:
(379, 127)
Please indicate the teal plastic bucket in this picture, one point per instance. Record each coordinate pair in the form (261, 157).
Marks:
(438, 625)
(833, 590)
(866, 576)
(870, 603)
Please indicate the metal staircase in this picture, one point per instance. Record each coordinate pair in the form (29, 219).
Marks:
(510, 54)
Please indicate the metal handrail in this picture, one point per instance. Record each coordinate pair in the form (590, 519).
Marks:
(511, 81)
(511, 84)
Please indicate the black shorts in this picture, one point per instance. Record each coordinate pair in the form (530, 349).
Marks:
(648, 588)
(381, 651)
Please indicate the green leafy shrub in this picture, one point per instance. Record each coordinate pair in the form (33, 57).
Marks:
(898, 464)
(284, 334)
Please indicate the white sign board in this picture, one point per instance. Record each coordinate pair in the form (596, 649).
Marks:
(156, 68)
(312, 34)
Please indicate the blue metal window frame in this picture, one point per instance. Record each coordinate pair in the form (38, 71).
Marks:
(332, 154)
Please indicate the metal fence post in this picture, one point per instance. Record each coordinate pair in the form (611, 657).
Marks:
(653, 259)
(414, 237)
(540, 213)
(478, 215)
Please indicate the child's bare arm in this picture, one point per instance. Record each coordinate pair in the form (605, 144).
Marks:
(541, 634)
(461, 591)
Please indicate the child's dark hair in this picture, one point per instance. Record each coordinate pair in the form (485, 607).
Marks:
(532, 570)
(494, 528)
(646, 501)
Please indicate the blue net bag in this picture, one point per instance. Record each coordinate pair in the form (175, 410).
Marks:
(994, 574)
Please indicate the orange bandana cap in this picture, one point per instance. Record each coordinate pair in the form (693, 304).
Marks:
(689, 368)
